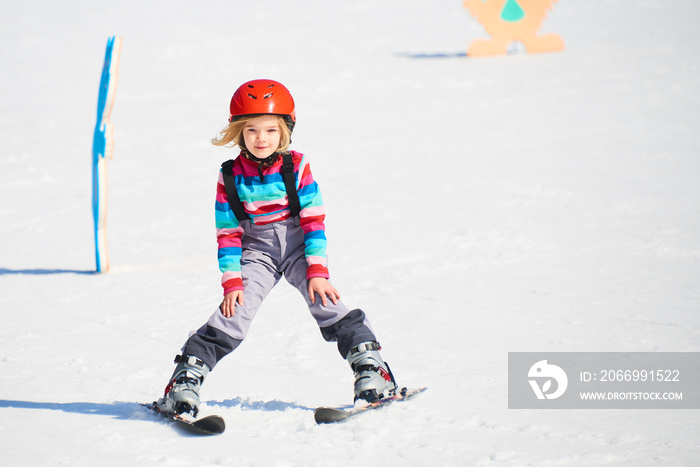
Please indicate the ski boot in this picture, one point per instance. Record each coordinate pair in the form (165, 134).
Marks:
(182, 392)
(373, 378)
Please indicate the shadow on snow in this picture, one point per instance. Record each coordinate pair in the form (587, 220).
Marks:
(121, 410)
(130, 410)
(433, 55)
(266, 406)
(42, 272)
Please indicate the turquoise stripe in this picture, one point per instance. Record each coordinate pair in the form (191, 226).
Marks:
(310, 196)
(316, 248)
(230, 264)
(225, 221)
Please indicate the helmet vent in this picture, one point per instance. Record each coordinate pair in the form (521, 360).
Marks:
(269, 94)
(253, 96)
(251, 93)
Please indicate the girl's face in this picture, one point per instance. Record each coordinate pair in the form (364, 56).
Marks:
(262, 136)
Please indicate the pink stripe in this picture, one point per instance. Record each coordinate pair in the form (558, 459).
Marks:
(259, 205)
(228, 275)
(308, 180)
(311, 260)
(314, 227)
(226, 242)
(313, 211)
(278, 216)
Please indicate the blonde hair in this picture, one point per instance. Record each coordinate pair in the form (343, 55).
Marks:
(232, 135)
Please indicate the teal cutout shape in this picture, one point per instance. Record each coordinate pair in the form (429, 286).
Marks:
(512, 12)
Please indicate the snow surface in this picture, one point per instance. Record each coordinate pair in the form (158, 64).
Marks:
(522, 203)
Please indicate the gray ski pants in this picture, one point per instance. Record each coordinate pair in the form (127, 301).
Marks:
(270, 252)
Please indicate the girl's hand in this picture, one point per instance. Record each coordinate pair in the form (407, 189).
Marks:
(228, 306)
(324, 289)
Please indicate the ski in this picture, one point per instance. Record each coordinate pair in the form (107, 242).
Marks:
(337, 414)
(209, 425)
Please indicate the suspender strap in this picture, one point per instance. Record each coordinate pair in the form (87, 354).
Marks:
(290, 184)
(230, 185)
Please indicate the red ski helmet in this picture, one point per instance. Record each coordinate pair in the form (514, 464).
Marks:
(263, 97)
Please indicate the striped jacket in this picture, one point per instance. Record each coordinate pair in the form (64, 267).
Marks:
(266, 202)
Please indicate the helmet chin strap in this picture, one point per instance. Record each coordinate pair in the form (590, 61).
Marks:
(269, 160)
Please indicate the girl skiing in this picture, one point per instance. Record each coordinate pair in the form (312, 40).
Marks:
(270, 223)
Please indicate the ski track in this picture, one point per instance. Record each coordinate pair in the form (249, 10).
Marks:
(522, 203)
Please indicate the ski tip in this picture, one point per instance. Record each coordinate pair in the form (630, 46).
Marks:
(329, 415)
(207, 425)
(211, 424)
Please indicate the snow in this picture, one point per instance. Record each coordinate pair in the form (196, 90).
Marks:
(521, 203)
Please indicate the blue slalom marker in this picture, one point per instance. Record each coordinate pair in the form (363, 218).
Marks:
(102, 148)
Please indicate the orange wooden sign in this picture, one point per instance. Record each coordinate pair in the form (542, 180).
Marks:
(509, 21)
